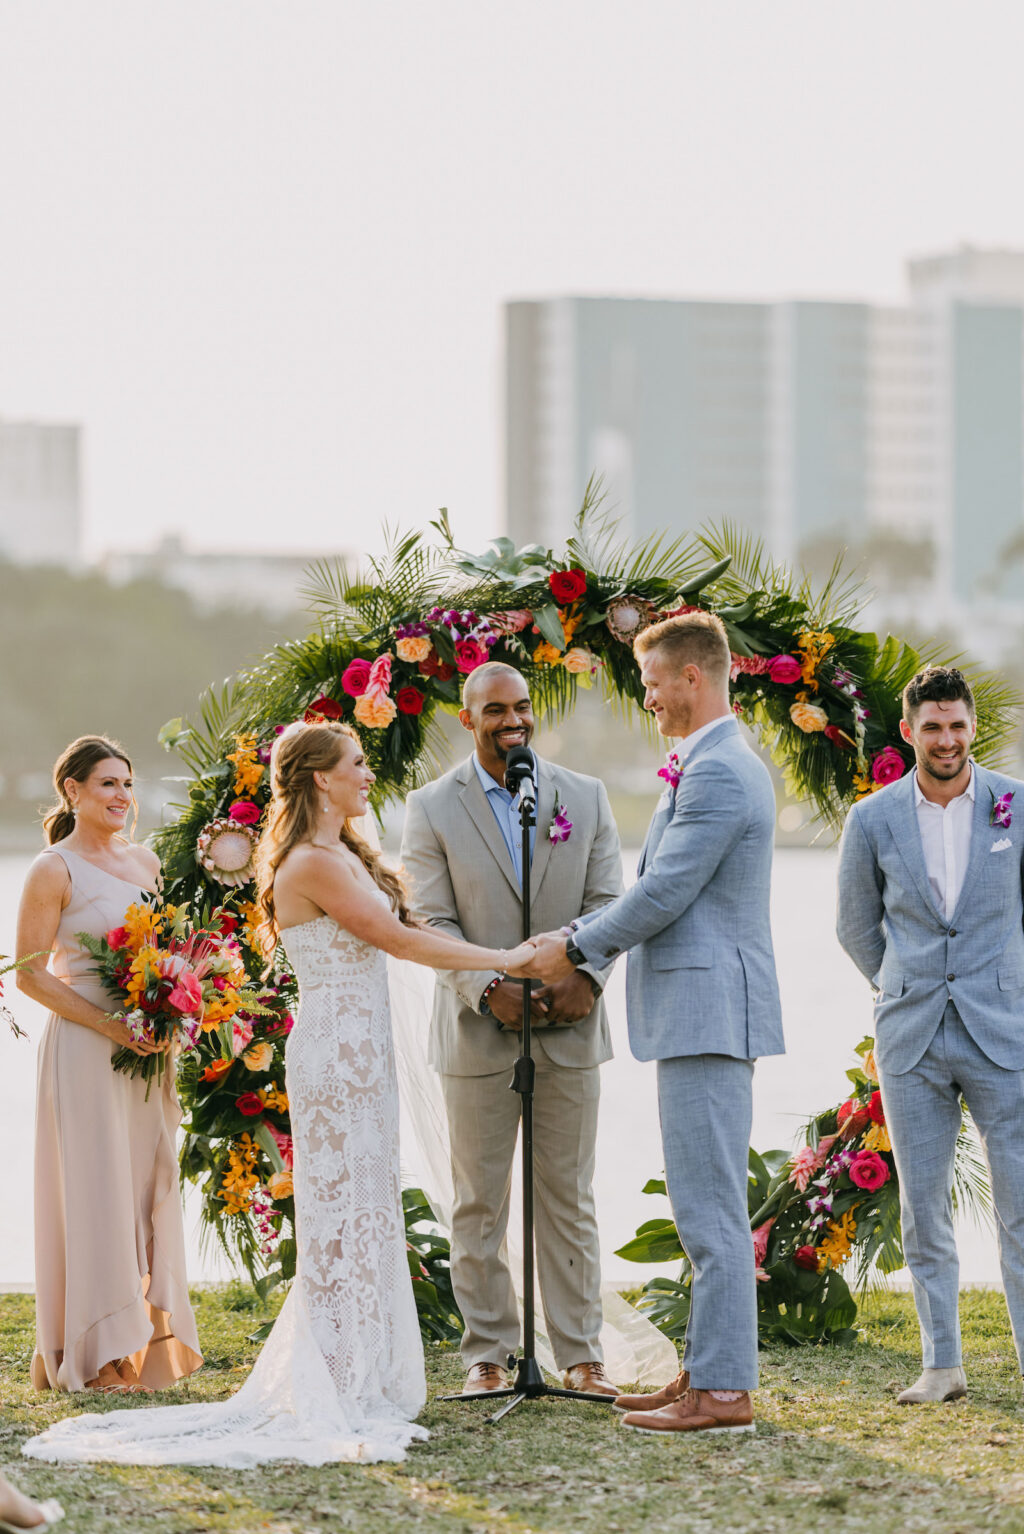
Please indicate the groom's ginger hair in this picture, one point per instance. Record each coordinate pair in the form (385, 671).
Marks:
(692, 639)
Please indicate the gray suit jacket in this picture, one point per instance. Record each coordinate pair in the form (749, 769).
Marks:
(463, 882)
(701, 971)
(895, 934)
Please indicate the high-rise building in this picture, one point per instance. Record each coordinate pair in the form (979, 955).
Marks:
(40, 493)
(802, 421)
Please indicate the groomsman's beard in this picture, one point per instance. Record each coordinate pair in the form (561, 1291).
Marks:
(943, 770)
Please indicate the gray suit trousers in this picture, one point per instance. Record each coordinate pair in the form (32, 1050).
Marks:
(705, 1102)
(922, 1110)
(483, 1115)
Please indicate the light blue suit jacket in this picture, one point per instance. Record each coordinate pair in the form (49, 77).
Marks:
(890, 926)
(700, 977)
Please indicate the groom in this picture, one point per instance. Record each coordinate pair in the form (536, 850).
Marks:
(931, 912)
(461, 849)
(702, 1001)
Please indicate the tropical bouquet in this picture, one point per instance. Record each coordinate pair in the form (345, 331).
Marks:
(174, 979)
(833, 1203)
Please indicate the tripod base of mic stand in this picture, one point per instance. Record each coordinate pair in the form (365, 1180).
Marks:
(528, 1385)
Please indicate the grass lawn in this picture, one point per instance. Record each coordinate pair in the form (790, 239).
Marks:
(832, 1450)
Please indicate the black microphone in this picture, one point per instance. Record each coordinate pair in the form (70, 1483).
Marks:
(519, 775)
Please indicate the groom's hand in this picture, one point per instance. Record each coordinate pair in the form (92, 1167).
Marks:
(506, 1004)
(550, 963)
(568, 1000)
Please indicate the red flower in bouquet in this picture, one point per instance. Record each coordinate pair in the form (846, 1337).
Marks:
(435, 666)
(469, 653)
(356, 677)
(250, 1103)
(117, 937)
(852, 1117)
(875, 1108)
(785, 669)
(567, 585)
(806, 1257)
(323, 708)
(409, 700)
(868, 1171)
(216, 1069)
(245, 812)
(838, 737)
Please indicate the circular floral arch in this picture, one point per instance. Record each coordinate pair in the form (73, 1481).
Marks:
(389, 649)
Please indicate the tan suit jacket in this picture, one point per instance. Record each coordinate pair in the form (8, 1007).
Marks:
(463, 881)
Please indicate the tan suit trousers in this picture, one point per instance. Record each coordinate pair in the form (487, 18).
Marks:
(484, 1114)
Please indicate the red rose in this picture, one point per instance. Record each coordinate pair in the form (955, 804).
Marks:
(806, 1257)
(868, 1171)
(435, 666)
(245, 812)
(888, 765)
(227, 923)
(249, 1103)
(469, 654)
(325, 707)
(875, 1108)
(409, 700)
(567, 585)
(117, 937)
(852, 1117)
(784, 669)
(833, 733)
(355, 677)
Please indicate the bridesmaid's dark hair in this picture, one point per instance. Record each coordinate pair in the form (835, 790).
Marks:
(301, 751)
(77, 761)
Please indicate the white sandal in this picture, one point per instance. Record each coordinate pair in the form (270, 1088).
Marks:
(52, 1513)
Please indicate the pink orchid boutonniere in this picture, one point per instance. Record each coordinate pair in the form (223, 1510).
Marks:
(1001, 812)
(672, 770)
(561, 826)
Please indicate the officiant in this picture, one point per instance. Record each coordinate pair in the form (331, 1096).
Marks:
(461, 850)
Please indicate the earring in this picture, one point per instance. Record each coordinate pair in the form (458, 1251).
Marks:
(326, 806)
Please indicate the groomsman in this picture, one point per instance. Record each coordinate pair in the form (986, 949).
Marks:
(702, 1000)
(461, 849)
(931, 912)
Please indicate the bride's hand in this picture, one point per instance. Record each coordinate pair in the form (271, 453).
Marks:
(518, 960)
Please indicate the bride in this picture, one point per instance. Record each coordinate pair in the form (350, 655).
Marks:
(341, 1376)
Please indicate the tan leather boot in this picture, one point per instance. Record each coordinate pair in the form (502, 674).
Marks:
(663, 1397)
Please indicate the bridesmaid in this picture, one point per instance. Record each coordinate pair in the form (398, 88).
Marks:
(112, 1307)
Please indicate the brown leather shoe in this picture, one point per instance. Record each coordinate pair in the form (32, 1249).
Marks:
(591, 1378)
(696, 1412)
(659, 1398)
(484, 1379)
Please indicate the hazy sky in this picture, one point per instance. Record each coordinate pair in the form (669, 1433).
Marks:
(260, 249)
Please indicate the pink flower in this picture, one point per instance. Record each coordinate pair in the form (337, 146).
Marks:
(868, 1170)
(241, 1036)
(512, 622)
(761, 1241)
(284, 1145)
(187, 995)
(469, 654)
(806, 1257)
(809, 1160)
(378, 683)
(784, 669)
(244, 811)
(888, 765)
(355, 677)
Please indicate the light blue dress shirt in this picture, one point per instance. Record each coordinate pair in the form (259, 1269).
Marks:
(505, 810)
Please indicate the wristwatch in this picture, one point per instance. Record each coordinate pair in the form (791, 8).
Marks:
(574, 953)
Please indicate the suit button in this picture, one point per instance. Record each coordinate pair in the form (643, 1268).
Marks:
(952, 932)
(950, 977)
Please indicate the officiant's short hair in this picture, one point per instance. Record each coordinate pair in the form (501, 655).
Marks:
(697, 639)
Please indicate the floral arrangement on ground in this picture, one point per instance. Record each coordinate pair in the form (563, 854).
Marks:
(388, 650)
(834, 1202)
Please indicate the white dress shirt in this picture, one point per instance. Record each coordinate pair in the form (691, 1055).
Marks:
(946, 840)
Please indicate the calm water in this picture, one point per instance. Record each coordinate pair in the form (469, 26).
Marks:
(827, 1011)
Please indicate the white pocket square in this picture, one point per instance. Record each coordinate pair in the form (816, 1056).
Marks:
(1001, 845)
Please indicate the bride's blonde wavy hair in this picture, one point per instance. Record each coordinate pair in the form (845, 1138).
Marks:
(293, 817)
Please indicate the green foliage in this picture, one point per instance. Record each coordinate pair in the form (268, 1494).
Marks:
(430, 1269)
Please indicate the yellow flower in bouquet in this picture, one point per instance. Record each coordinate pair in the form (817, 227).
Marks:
(834, 1250)
(809, 717)
(870, 1068)
(274, 1099)
(259, 1057)
(252, 916)
(813, 646)
(280, 1185)
(143, 970)
(249, 769)
(864, 784)
(240, 1178)
(877, 1139)
(221, 1006)
(413, 649)
(141, 924)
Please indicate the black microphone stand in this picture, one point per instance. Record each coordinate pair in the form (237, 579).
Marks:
(529, 1383)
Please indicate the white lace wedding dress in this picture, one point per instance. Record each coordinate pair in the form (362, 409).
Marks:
(341, 1376)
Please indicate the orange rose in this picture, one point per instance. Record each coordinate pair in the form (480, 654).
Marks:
(279, 1185)
(373, 712)
(413, 650)
(258, 1058)
(808, 717)
(577, 660)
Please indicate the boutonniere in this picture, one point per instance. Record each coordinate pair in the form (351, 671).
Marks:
(560, 827)
(1001, 813)
(672, 770)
